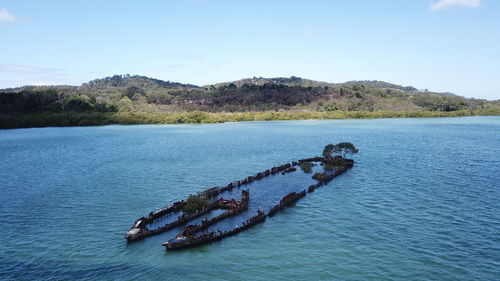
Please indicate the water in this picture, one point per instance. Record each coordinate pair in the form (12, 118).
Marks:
(422, 201)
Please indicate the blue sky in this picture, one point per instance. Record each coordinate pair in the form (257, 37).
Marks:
(441, 45)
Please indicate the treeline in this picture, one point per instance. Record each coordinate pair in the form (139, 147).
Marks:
(229, 97)
(380, 84)
(44, 119)
(51, 100)
(261, 95)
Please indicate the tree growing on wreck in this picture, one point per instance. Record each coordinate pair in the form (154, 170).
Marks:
(320, 176)
(327, 151)
(343, 149)
(306, 167)
(195, 203)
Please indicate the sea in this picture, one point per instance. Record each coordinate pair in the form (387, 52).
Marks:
(422, 201)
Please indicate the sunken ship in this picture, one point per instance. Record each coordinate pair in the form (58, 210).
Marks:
(220, 212)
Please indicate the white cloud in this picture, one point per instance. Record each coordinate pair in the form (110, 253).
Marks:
(26, 70)
(6, 16)
(446, 4)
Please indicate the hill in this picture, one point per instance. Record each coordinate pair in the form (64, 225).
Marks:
(379, 85)
(288, 81)
(119, 82)
(140, 94)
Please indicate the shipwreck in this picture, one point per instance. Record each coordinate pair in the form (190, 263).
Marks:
(220, 212)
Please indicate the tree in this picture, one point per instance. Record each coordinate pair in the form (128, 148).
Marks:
(125, 104)
(195, 203)
(327, 151)
(132, 90)
(343, 149)
(80, 103)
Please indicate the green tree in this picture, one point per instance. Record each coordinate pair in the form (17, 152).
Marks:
(195, 203)
(125, 104)
(343, 149)
(132, 90)
(78, 103)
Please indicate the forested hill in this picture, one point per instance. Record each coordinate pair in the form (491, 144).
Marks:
(380, 85)
(124, 81)
(288, 81)
(126, 93)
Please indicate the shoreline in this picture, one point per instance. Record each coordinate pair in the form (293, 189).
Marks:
(80, 119)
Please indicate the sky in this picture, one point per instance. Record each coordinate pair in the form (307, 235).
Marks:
(440, 45)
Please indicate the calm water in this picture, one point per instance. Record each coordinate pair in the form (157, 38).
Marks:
(422, 202)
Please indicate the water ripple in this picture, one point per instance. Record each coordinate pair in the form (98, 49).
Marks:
(421, 202)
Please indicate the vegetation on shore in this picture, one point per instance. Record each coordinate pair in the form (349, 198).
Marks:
(63, 119)
(125, 99)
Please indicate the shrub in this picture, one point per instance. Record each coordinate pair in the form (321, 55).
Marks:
(195, 203)
(306, 167)
(320, 176)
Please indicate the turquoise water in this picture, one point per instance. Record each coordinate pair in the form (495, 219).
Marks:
(422, 201)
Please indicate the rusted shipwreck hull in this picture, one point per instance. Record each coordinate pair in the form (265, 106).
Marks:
(139, 231)
(188, 236)
(196, 240)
